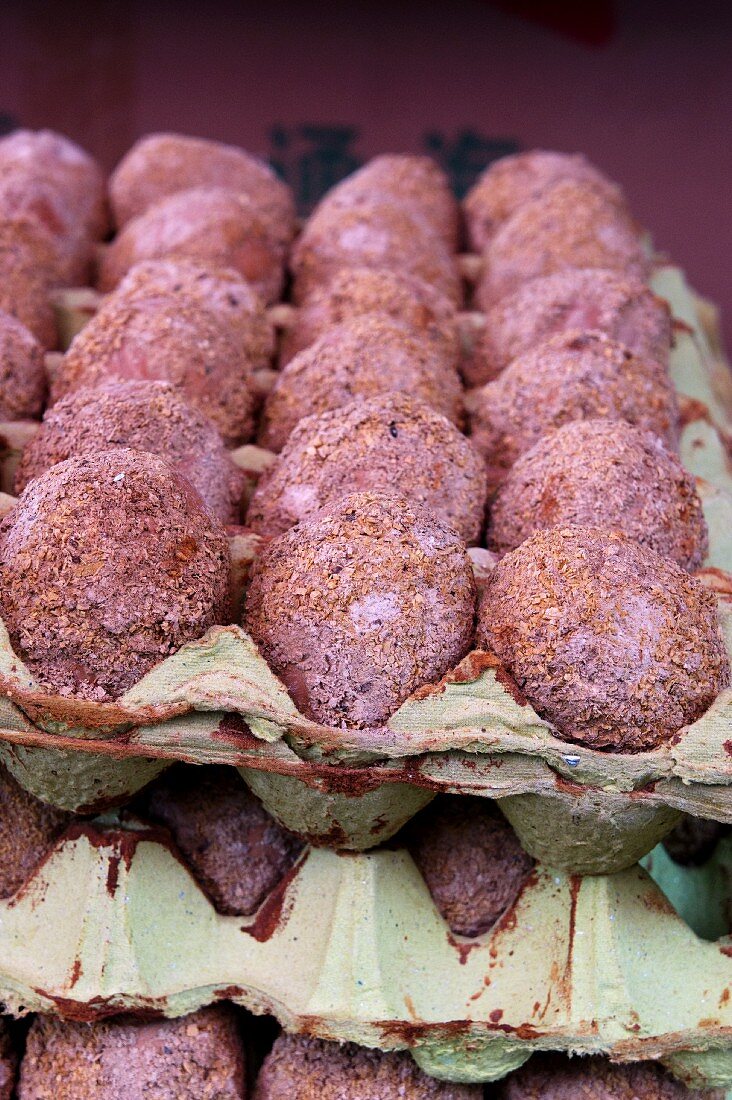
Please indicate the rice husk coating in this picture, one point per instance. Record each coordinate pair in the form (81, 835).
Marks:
(108, 564)
(222, 291)
(417, 182)
(556, 1077)
(603, 473)
(359, 606)
(28, 829)
(234, 848)
(8, 1062)
(143, 416)
(66, 170)
(159, 165)
(509, 183)
(362, 358)
(693, 840)
(568, 226)
(299, 1068)
(204, 223)
(22, 371)
(28, 270)
(35, 201)
(624, 308)
(377, 233)
(471, 860)
(392, 443)
(359, 291)
(574, 376)
(166, 339)
(195, 1057)
(616, 646)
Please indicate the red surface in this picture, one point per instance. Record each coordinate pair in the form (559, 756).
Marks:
(644, 89)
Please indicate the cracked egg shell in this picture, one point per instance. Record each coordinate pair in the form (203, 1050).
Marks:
(471, 860)
(141, 416)
(507, 184)
(235, 849)
(167, 339)
(204, 223)
(391, 443)
(315, 1069)
(416, 182)
(108, 564)
(192, 1057)
(159, 165)
(22, 371)
(557, 1077)
(568, 226)
(624, 308)
(222, 291)
(574, 376)
(616, 646)
(28, 271)
(602, 473)
(28, 828)
(66, 170)
(376, 234)
(362, 358)
(359, 606)
(360, 291)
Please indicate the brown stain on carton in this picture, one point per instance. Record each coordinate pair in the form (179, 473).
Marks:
(275, 910)
(724, 998)
(470, 669)
(657, 902)
(463, 947)
(76, 972)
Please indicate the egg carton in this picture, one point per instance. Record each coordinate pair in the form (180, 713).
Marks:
(217, 701)
(351, 947)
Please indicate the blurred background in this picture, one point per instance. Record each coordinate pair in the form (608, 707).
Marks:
(644, 89)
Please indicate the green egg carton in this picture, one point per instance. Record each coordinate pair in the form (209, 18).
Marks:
(216, 701)
(351, 947)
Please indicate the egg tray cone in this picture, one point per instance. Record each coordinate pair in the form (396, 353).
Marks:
(351, 947)
(216, 701)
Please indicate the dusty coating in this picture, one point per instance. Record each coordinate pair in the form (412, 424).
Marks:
(8, 1062)
(358, 291)
(359, 606)
(470, 859)
(196, 1057)
(556, 1077)
(509, 183)
(606, 301)
(298, 1068)
(222, 291)
(568, 226)
(234, 848)
(362, 358)
(414, 181)
(28, 269)
(693, 841)
(22, 373)
(604, 473)
(374, 233)
(24, 198)
(108, 564)
(144, 416)
(159, 165)
(575, 376)
(204, 223)
(616, 646)
(167, 339)
(65, 169)
(28, 828)
(392, 443)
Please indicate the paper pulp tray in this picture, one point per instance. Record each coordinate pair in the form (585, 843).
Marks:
(216, 701)
(351, 947)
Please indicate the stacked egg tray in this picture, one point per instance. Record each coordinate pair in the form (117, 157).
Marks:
(216, 701)
(351, 947)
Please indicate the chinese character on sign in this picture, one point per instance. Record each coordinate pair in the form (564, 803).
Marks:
(312, 159)
(465, 157)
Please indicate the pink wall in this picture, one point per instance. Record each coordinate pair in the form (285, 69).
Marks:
(651, 103)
